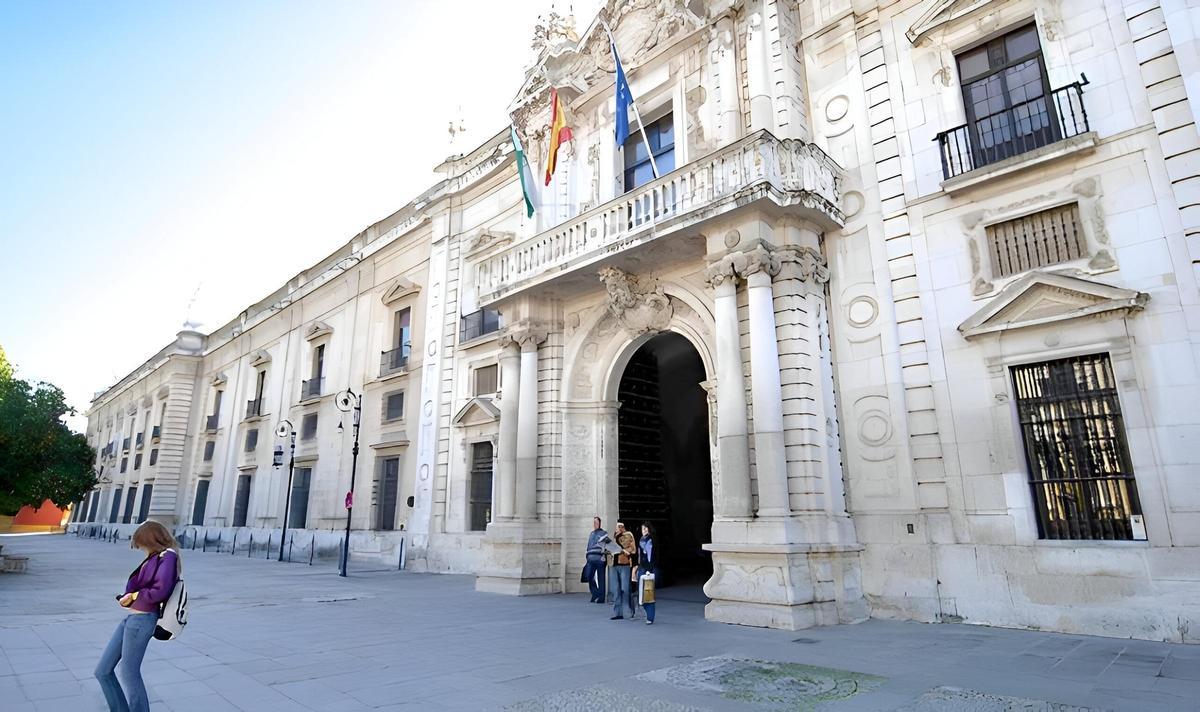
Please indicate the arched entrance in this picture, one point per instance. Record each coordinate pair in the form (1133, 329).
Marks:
(664, 474)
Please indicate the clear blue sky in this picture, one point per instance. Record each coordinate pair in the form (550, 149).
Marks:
(147, 149)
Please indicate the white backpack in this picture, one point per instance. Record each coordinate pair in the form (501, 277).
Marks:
(172, 613)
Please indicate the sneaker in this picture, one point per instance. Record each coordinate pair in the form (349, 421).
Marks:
(649, 622)
(617, 618)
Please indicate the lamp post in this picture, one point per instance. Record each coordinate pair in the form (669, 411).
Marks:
(285, 429)
(346, 402)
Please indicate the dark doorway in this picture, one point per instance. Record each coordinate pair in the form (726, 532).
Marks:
(664, 468)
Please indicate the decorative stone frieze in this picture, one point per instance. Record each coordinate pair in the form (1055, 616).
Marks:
(639, 305)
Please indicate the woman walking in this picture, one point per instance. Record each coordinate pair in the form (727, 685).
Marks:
(148, 586)
(647, 563)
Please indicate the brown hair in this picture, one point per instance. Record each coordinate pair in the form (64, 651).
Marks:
(153, 536)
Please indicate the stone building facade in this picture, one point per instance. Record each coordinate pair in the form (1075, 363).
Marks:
(905, 327)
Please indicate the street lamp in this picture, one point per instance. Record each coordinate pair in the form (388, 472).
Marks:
(285, 429)
(348, 401)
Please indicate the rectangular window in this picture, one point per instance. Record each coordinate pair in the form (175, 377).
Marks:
(393, 406)
(116, 505)
(137, 462)
(1006, 95)
(154, 457)
(318, 365)
(308, 426)
(298, 516)
(388, 494)
(200, 504)
(251, 439)
(402, 336)
(478, 323)
(124, 464)
(260, 385)
(481, 486)
(241, 504)
(1046, 237)
(1074, 437)
(208, 450)
(144, 508)
(396, 358)
(128, 516)
(661, 135)
(486, 380)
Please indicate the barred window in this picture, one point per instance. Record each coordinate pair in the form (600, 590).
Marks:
(1043, 238)
(1074, 436)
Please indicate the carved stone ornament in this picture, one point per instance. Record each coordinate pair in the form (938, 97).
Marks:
(486, 239)
(811, 262)
(760, 259)
(316, 330)
(639, 307)
(524, 335)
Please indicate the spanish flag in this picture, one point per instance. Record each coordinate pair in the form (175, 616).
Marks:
(559, 133)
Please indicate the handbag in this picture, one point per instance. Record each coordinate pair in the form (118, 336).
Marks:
(646, 589)
(583, 577)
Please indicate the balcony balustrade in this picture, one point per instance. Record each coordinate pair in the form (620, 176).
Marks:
(395, 360)
(789, 172)
(1014, 130)
(311, 388)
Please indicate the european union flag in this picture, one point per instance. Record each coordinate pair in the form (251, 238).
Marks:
(624, 99)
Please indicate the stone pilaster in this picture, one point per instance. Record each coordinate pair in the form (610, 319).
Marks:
(733, 470)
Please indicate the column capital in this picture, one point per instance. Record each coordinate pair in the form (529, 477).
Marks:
(759, 260)
(720, 273)
(524, 335)
(811, 263)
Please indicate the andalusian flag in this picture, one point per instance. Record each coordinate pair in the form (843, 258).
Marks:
(559, 133)
(524, 172)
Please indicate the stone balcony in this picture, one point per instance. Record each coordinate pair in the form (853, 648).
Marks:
(788, 173)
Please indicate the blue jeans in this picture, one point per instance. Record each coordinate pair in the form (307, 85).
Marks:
(595, 576)
(621, 587)
(126, 647)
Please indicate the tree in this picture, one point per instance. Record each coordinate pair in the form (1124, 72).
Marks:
(40, 458)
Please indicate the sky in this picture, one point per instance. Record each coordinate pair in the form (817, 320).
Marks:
(163, 161)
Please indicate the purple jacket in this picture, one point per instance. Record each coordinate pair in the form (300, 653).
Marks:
(153, 580)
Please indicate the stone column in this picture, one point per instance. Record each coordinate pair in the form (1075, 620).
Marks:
(506, 471)
(767, 393)
(527, 425)
(732, 440)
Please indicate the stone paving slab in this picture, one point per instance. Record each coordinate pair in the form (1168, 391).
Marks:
(269, 636)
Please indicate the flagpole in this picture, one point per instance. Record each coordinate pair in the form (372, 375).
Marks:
(636, 114)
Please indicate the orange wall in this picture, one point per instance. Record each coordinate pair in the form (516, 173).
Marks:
(46, 515)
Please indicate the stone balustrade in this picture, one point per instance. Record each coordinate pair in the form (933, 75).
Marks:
(760, 166)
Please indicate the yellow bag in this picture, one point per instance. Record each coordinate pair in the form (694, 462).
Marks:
(646, 589)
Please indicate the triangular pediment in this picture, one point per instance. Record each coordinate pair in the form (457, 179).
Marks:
(260, 357)
(937, 13)
(477, 411)
(316, 330)
(400, 288)
(1042, 298)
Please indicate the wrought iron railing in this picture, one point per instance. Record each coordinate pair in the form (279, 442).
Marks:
(1014, 130)
(311, 388)
(253, 408)
(478, 323)
(394, 360)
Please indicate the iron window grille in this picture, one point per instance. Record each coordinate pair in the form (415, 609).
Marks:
(1009, 105)
(1074, 437)
(394, 360)
(478, 323)
(1043, 238)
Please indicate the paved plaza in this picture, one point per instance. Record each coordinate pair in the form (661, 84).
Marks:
(268, 636)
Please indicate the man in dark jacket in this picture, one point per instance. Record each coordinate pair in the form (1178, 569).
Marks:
(594, 568)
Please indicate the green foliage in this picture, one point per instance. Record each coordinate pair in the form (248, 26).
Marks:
(40, 458)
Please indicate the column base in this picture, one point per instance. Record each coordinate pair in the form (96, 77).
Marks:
(519, 560)
(786, 586)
